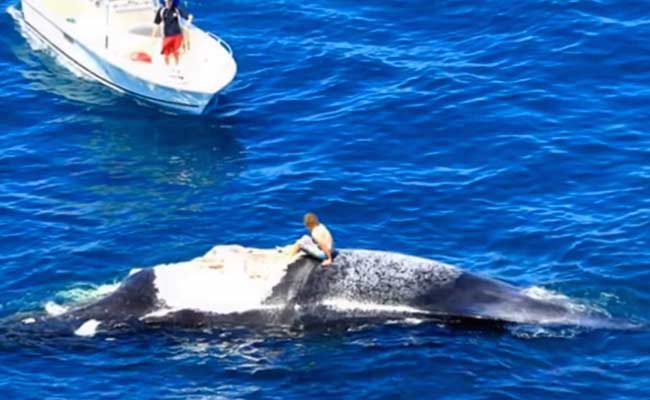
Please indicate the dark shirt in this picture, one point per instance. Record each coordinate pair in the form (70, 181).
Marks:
(171, 18)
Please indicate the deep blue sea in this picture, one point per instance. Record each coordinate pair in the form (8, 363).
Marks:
(509, 138)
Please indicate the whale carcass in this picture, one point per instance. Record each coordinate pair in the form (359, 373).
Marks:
(235, 285)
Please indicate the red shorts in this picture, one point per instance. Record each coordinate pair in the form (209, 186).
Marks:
(171, 44)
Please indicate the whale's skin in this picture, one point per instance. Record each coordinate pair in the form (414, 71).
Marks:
(135, 297)
(397, 285)
(391, 279)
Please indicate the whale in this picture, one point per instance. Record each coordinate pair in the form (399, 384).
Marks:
(232, 285)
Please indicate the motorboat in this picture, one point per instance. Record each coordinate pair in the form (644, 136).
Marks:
(111, 42)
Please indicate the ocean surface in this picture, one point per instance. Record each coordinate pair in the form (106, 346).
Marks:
(509, 138)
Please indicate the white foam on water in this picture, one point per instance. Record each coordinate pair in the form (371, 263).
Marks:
(540, 332)
(53, 309)
(14, 12)
(77, 295)
(539, 293)
(609, 299)
(405, 321)
(106, 289)
(29, 321)
(229, 279)
(88, 329)
(578, 313)
(86, 294)
(37, 44)
(34, 42)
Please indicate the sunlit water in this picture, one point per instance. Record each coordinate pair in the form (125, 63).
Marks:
(509, 138)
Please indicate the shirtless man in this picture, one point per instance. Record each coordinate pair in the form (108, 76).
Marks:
(320, 244)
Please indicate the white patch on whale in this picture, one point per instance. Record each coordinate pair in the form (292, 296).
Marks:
(88, 328)
(350, 305)
(228, 279)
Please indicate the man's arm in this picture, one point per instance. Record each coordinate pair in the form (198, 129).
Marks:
(156, 21)
(188, 17)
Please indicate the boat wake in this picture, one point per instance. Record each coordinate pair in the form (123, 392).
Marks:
(37, 44)
(59, 76)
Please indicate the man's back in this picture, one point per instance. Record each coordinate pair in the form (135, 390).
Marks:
(322, 236)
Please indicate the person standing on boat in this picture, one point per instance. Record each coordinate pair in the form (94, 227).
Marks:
(170, 15)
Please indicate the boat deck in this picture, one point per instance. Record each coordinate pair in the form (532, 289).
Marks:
(70, 9)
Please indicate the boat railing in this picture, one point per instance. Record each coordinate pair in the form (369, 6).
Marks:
(221, 42)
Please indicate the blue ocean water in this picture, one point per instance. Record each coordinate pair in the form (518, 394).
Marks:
(508, 138)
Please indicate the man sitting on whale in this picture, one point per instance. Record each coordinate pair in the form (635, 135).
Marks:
(320, 244)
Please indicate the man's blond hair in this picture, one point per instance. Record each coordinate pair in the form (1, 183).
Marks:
(310, 220)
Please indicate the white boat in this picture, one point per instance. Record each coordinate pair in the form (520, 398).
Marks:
(110, 41)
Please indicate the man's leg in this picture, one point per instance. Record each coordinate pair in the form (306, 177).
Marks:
(294, 249)
(184, 41)
(175, 44)
(300, 245)
(166, 58)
